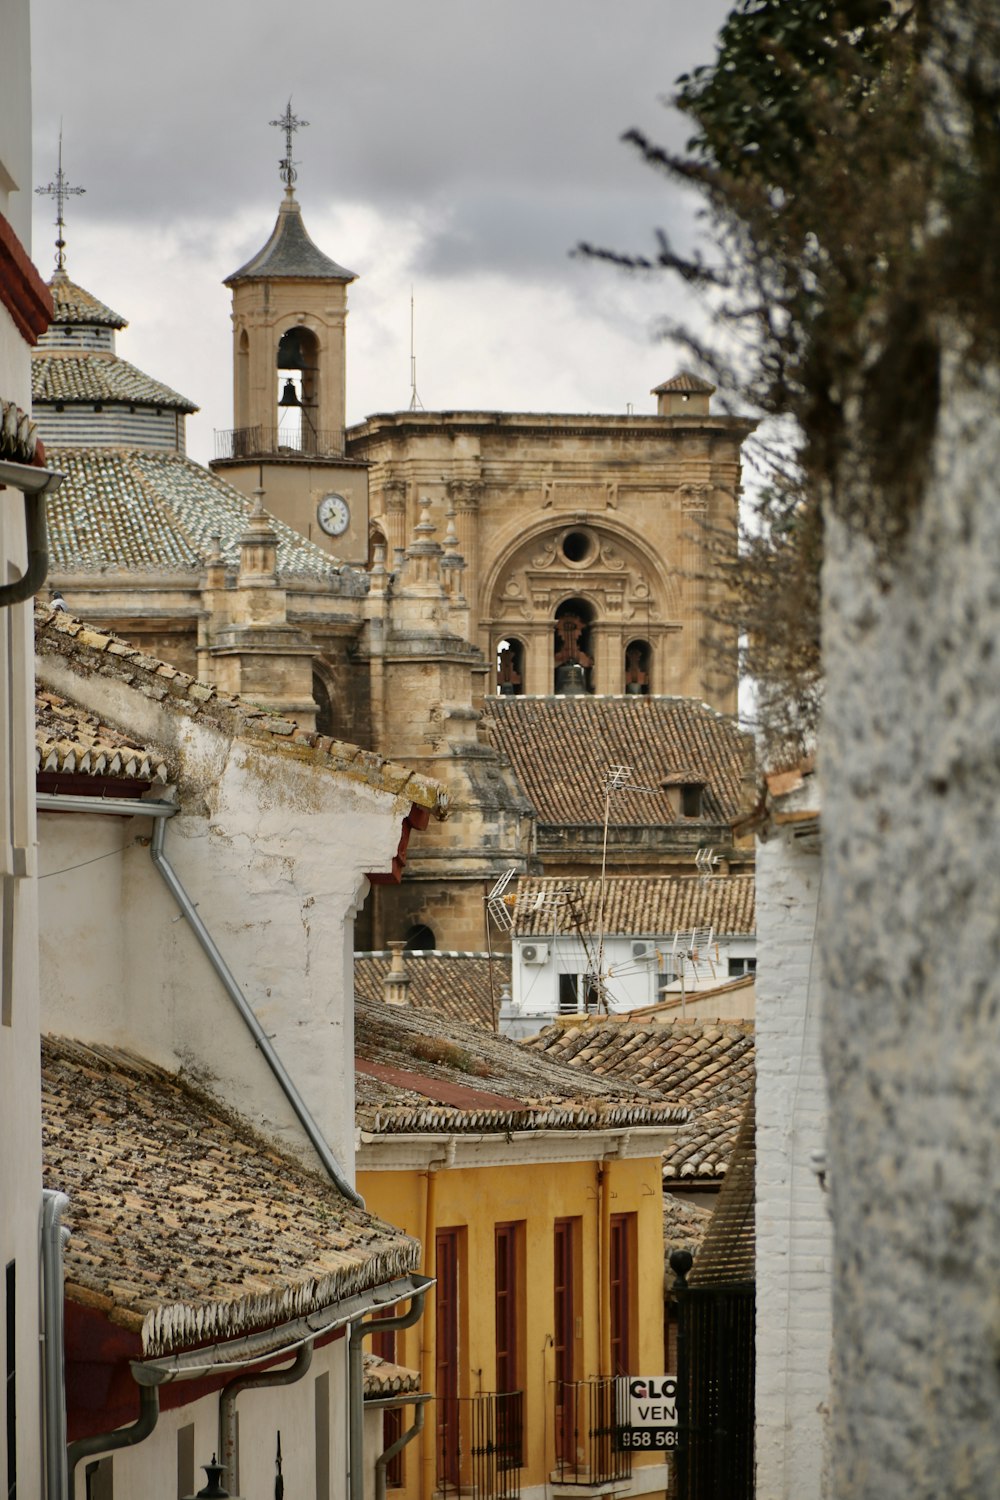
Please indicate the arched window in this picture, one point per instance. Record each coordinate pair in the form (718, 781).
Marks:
(243, 380)
(298, 390)
(420, 938)
(574, 664)
(510, 668)
(324, 706)
(376, 538)
(638, 658)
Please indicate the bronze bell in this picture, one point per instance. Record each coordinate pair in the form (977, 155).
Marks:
(289, 396)
(570, 678)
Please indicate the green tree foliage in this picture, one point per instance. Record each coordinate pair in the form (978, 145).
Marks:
(848, 160)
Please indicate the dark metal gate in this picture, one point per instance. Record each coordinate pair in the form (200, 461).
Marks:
(715, 1366)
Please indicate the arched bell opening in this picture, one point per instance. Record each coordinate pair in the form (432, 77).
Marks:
(510, 667)
(297, 365)
(573, 658)
(324, 706)
(242, 394)
(420, 939)
(638, 666)
(376, 538)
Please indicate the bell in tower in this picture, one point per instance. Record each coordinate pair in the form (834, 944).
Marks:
(289, 323)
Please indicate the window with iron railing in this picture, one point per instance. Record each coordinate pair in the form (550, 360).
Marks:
(587, 1414)
(481, 1445)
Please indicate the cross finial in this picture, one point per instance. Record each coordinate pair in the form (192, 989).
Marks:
(60, 190)
(289, 123)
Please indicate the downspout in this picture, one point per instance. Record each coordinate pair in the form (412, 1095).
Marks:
(356, 1385)
(54, 1237)
(35, 483)
(385, 1459)
(604, 1268)
(121, 1437)
(227, 1402)
(428, 1342)
(291, 1093)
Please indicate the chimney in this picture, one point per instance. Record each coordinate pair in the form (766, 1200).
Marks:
(397, 981)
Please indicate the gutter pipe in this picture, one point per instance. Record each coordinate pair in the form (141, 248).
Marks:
(356, 1382)
(54, 1237)
(35, 484)
(227, 1401)
(330, 1164)
(385, 1459)
(121, 1437)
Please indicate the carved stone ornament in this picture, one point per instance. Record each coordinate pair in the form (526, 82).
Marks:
(466, 493)
(695, 497)
(394, 491)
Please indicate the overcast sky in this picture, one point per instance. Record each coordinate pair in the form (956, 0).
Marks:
(456, 146)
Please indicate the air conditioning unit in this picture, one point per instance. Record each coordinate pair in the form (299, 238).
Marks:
(642, 950)
(535, 953)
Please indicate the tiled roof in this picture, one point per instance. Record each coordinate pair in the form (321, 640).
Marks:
(417, 1072)
(291, 253)
(139, 510)
(456, 985)
(728, 1252)
(185, 1225)
(382, 1378)
(684, 382)
(685, 1223)
(74, 305)
(649, 906)
(100, 377)
(561, 749)
(71, 741)
(59, 634)
(706, 1066)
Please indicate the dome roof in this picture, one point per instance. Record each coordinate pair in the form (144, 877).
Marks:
(75, 305)
(290, 254)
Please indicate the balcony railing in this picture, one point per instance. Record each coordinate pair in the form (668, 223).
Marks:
(586, 1417)
(276, 442)
(480, 1445)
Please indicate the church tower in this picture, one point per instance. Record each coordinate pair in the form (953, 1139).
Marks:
(289, 313)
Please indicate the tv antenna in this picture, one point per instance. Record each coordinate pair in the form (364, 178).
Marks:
(693, 950)
(415, 402)
(616, 779)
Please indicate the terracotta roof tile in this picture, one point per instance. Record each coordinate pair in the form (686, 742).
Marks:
(71, 741)
(643, 906)
(383, 1378)
(98, 376)
(456, 985)
(706, 1066)
(420, 1058)
(561, 749)
(73, 304)
(291, 253)
(684, 382)
(60, 634)
(186, 1225)
(728, 1251)
(143, 510)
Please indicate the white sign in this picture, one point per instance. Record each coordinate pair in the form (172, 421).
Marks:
(647, 1406)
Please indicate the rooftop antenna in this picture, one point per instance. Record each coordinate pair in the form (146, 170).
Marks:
(289, 123)
(415, 402)
(616, 779)
(60, 190)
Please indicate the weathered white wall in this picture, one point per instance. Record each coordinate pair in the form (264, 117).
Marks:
(911, 953)
(274, 853)
(792, 1221)
(149, 1470)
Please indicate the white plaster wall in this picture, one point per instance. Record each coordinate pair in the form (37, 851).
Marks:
(794, 1260)
(274, 854)
(149, 1470)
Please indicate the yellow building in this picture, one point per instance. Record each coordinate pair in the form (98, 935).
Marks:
(536, 1194)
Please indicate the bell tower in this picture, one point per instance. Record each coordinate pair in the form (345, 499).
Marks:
(289, 312)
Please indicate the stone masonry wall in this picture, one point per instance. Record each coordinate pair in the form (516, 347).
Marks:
(793, 1226)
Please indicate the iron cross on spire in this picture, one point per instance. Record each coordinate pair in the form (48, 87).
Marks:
(289, 123)
(60, 190)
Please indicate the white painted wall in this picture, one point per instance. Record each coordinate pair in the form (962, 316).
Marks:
(633, 981)
(274, 853)
(794, 1256)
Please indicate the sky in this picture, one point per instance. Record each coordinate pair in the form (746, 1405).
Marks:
(457, 150)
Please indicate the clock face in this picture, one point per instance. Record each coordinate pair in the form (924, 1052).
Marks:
(333, 514)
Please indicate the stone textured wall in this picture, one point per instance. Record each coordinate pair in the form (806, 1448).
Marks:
(911, 948)
(793, 1225)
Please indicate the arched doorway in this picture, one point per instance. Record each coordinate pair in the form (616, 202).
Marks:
(324, 706)
(573, 660)
(420, 939)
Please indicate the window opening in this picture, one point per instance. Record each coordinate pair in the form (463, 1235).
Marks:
(420, 939)
(324, 706)
(637, 660)
(510, 668)
(572, 653)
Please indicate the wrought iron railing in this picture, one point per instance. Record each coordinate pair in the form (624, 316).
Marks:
(275, 442)
(586, 1418)
(480, 1445)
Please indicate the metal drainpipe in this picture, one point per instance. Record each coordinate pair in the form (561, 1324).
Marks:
(54, 1237)
(121, 1437)
(291, 1093)
(356, 1385)
(47, 482)
(385, 1459)
(227, 1402)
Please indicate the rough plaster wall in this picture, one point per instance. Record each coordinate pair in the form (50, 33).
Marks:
(793, 1225)
(911, 953)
